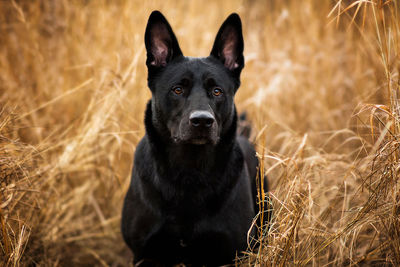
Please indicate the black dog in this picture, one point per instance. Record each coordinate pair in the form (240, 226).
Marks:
(192, 196)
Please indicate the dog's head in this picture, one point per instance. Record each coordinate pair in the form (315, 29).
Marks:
(192, 98)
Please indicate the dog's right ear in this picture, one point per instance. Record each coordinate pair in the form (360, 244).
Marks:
(161, 43)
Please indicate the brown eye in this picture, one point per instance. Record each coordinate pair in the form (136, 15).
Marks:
(217, 91)
(177, 90)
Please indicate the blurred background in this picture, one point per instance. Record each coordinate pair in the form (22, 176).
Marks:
(320, 87)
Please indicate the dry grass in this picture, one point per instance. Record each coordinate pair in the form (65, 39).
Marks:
(321, 86)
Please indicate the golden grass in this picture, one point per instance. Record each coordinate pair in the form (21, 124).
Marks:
(320, 85)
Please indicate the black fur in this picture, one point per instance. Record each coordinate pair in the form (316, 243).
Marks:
(192, 193)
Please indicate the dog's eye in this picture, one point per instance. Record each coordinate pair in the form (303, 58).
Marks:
(177, 90)
(217, 91)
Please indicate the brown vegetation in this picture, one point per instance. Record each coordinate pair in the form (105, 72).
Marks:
(320, 85)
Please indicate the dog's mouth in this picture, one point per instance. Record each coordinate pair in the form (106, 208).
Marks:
(198, 140)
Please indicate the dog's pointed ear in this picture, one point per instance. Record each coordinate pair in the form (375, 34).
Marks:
(228, 45)
(161, 43)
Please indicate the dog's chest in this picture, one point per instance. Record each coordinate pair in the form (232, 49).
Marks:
(184, 238)
(195, 195)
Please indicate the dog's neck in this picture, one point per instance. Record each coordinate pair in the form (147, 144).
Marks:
(189, 171)
(189, 156)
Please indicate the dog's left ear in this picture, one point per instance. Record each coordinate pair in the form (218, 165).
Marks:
(228, 45)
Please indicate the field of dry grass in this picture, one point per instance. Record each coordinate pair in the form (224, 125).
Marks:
(321, 87)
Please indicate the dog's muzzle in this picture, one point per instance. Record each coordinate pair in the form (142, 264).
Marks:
(201, 128)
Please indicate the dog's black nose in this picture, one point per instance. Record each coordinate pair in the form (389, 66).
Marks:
(201, 119)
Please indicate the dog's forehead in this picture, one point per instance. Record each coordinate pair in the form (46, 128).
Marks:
(197, 69)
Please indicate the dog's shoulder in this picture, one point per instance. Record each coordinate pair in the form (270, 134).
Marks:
(249, 153)
(143, 159)
(142, 148)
